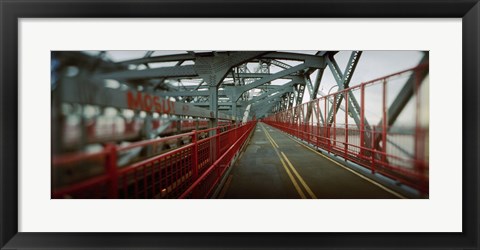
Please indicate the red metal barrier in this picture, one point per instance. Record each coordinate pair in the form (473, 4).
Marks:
(397, 148)
(154, 173)
(205, 185)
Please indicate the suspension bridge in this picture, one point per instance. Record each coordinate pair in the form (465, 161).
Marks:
(236, 125)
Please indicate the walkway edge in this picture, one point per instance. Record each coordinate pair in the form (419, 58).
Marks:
(400, 192)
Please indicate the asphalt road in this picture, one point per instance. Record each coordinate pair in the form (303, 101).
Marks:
(274, 166)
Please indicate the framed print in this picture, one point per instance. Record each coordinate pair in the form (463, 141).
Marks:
(223, 124)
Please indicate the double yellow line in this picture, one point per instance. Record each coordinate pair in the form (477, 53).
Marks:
(289, 168)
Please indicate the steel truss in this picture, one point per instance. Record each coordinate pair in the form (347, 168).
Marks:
(216, 85)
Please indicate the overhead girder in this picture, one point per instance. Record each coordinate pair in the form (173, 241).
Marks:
(92, 63)
(271, 97)
(213, 69)
(260, 111)
(261, 75)
(287, 87)
(164, 58)
(290, 56)
(267, 109)
(189, 56)
(163, 72)
(190, 93)
(236, 92)
(161, 82)
(276, 96)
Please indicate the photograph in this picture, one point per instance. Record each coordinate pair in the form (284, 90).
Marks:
(272, 124)
(196, 124)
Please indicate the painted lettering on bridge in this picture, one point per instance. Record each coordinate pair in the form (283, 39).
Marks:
(149, 103)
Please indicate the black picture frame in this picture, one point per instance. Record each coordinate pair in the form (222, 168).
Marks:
(11, 11)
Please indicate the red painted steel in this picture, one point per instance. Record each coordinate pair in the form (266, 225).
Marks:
(369, 145)
(185, 171)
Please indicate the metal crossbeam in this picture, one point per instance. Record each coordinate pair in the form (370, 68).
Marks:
(343, 81)
(164, 72)
(238, 91)
(313, 91)
(300, 91)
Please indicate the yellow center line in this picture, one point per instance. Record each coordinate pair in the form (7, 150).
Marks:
(269, 136)
(295, 184)
(299, 177)
(354, 172)
(309, 191)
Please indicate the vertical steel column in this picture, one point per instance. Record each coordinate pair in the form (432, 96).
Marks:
(373, 149)
(384, 122)
(213, 101)
(346, 123)
(362, 120)
(213, 122)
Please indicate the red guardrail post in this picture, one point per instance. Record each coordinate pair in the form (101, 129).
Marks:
(373, 149)
(217, 140)
(334, 120)
(195, 155)
(112, 171)
(362, 120)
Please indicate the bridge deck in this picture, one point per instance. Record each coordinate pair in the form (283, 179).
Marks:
(275, 166)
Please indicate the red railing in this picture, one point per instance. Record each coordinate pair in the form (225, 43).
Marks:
(395, 145)
(148, 170)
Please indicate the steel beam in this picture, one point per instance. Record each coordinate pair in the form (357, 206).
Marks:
(238, 91)
(292, 56)
(213, 69)
(261, 111)
(83, 91)
(343, 81)
(189, 93)
(157, 59)
(313, 91)
(285, 88)
(164, 72)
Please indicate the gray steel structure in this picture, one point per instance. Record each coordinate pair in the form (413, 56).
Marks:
(220, 74)
(215, 85)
